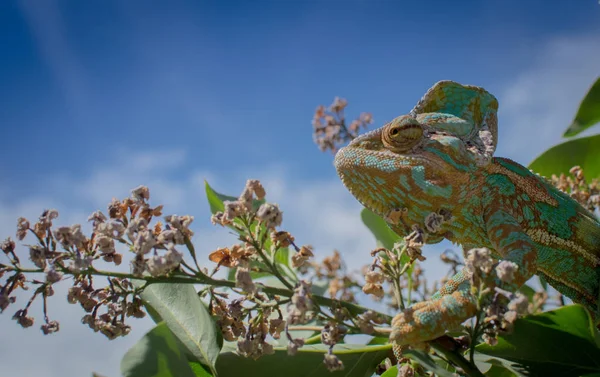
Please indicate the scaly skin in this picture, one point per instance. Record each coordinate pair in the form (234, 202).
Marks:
(417, 165)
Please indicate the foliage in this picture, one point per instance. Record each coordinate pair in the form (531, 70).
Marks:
(588, 113)
(584, 151)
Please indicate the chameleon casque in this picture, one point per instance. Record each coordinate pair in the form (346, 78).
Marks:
(438, 159)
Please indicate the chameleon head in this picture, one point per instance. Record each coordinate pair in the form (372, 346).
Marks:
(404, 164)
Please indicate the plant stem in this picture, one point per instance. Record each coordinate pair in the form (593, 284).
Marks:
(259, 248)
(445, 346)
(182, 278)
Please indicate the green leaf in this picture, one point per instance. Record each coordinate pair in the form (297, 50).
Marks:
(215, 199)
(379, 340)
(492, 365)
(156, 354)
(588, 113)
(498, 371)
(527, 291)
(282, 256)
(181, 309)
(359, 361)
(543, 282)
(555, 343)
(427, 362)
(584, 152)
(199, 369)
(392, 372)
(384, 236)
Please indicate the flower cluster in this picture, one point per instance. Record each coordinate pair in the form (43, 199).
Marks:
(587, 194)
(66, 251)
(342, 284)
(114, 300)
(329, 125)
(500, 316)
(500, 308)
(256, 222)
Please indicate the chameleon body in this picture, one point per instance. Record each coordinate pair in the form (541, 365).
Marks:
(438, 159)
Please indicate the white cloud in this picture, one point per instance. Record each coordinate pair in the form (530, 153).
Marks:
(538, 105)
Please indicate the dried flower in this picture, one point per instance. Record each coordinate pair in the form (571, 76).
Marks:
(276, 326)
(433, 222)
(270, 215)
(22, 228)
(293, 346)
(332, 362)
(244, 281)
(281, 238)
(519, 304)
(140, 194)
(70, 236)
(52, 276)
(5, 300)
(406, 370)
(490, 339)
(414, 242)
(45, 222)
(367, 319)
(182, 224)
(81, 262)
(332, 334)
(117, 209)
(302, 256)
(233, 209)
(506, 271)
(220, 219)
(22, 318)
(7, 246)
(329, 126)
(50, 327)
(97, 218)
(257, 188)
(253, 188)
(374, 277)
(144, 242)
(479, 260)
(338, 105)
(37, 254)
(373, 289)
(300, 304)
(159, 265)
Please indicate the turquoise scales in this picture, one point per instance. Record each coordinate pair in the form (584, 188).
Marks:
(439, 158)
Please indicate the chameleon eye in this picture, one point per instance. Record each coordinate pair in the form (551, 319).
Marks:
(402, 134)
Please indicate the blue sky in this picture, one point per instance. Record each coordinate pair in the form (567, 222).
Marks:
(240, 81)
(97, 97)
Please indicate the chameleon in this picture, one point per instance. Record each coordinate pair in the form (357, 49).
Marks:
(438, 159)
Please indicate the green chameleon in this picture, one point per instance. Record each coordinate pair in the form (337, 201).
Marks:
(438, 160)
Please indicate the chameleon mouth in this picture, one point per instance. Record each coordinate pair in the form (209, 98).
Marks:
(358, 169)
(357, 156)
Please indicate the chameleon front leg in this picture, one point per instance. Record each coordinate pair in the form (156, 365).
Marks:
(512, 243)
(430, 319)
(455, 303)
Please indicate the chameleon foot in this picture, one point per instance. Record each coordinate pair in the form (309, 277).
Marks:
(430, 319)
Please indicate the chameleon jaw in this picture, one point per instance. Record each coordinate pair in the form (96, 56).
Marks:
(350, 163)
